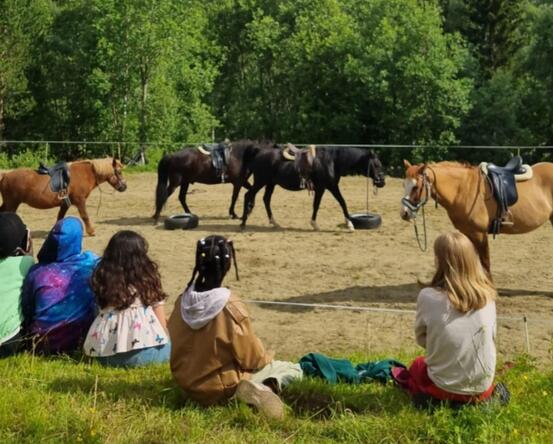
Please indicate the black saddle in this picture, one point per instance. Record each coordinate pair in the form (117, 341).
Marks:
(503, 183)
(59, 176)
(218, 157)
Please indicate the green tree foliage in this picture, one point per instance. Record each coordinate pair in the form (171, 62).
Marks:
(432, 72)
(339, 71)
(535, 66)
(20, 23)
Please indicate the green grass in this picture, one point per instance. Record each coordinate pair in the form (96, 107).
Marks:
(61, 400)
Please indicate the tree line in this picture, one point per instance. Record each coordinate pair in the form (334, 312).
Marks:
(431, 72)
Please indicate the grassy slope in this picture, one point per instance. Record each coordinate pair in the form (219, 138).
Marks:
(59, 400)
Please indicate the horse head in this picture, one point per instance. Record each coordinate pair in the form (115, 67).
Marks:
(417, 190)
(375, 170)
(115, 176)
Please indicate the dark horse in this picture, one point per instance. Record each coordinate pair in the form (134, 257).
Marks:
(190, 165)
(330, 163)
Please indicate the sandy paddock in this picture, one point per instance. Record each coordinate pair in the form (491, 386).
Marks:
(376, 268)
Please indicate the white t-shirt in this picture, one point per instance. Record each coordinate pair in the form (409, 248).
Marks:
(460, 347)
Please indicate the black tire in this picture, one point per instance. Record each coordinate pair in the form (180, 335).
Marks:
(185, 221)
(366, 221)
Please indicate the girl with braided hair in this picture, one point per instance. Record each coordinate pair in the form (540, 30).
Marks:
(215, 353)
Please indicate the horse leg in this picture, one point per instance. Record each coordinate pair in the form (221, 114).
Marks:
(338, 196)
(249, 202)
(235, 192)
(81, 206)
(62, 211)
(481, 243)
(163, 197)
(316, 204)
(182, 195)
(267, 201)
(9, 206)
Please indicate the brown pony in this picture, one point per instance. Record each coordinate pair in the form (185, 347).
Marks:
(464, 192)
(25, 185)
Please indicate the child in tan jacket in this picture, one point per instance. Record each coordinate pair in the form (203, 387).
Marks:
(215, 353)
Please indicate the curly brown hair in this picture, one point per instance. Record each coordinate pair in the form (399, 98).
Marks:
(125, 272)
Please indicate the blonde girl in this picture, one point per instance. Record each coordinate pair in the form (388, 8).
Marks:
(456, 325)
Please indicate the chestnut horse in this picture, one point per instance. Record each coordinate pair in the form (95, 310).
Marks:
(463, 190)
(25, 185)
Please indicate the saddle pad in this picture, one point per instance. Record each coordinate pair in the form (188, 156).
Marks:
(528, 174)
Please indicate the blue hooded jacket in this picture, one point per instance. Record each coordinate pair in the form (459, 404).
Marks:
(57, 301)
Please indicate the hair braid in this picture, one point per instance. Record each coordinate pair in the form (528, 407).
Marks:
(213, 260)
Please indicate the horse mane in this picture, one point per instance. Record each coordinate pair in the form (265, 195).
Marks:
(452, 164)
(103, 168)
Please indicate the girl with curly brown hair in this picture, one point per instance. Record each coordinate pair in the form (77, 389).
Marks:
(130, 329)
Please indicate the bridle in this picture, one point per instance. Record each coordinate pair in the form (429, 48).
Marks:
(120, 184)
(415, 207)
(371, 168)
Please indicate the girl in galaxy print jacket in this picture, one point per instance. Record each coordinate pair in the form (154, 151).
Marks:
(57, 301)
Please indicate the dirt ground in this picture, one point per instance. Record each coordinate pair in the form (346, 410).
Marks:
(374, 268)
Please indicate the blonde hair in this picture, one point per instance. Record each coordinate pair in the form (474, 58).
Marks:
(103, 168)
(460, 273)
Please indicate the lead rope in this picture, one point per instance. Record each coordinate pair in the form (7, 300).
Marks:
(423, 249)
(417, 237)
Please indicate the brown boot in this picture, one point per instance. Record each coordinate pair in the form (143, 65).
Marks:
(261, 397)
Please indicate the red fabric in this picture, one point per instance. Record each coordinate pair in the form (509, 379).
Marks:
(416, 380)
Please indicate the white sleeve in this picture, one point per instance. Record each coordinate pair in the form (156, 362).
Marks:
(420, 322)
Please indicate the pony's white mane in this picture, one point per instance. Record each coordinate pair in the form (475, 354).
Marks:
(103, 168)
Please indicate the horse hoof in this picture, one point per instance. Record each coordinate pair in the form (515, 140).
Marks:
(233, 216)
(315, 225)
(274, 223)
(350, 226)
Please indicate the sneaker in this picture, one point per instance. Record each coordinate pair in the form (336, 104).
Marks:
(261, 397)
(501, 393)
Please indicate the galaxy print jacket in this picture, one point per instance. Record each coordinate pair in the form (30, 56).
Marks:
(58, 304)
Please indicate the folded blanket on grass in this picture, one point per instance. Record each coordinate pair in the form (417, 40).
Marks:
(342, 370)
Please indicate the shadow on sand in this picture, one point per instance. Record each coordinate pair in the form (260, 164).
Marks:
(385, 294)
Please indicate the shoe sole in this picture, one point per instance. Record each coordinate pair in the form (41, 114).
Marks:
(268, 403)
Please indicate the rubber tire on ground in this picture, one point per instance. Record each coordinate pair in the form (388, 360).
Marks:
(185, 221)
(366, 221)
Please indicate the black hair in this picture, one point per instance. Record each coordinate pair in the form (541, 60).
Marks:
(214, 255)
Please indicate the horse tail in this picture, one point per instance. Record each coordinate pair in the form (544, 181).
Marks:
(162, 183)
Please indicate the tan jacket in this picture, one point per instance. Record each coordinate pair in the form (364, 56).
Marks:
(208, 363)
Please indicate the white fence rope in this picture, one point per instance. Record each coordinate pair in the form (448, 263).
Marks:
(523, 318)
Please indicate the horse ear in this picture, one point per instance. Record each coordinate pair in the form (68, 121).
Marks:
(407, 164)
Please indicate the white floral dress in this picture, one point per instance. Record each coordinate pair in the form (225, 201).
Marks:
(119, 331)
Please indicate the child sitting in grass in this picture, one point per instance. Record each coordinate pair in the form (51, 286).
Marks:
(215, 352)
(56, 300)
(130, 329)
(16, 258)
(456, 324)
